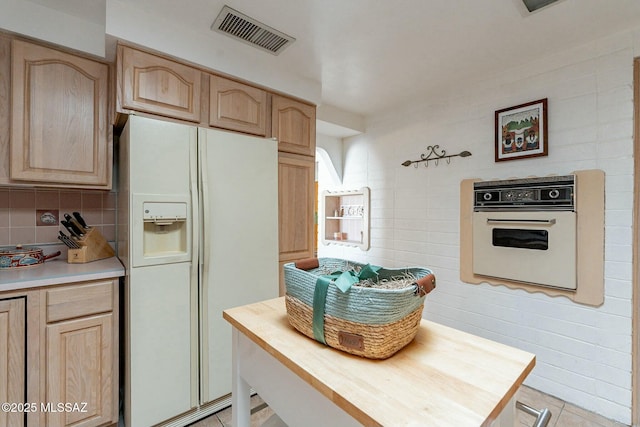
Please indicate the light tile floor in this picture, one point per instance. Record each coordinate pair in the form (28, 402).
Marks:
(260, 413)
(562, 414)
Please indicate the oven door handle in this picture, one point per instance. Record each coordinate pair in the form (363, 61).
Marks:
(521, 221)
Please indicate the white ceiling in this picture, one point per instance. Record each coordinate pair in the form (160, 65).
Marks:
(374, 55)
(91, 10)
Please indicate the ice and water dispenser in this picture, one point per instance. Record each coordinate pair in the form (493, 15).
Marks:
(162, 230)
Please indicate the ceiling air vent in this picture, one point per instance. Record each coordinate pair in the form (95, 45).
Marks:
(246, 29)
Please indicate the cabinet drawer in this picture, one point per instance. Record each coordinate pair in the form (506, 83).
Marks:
(79, 300)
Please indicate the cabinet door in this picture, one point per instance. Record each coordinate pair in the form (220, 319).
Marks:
(237, 106)
(12, 359)
(59, 131)
(5, 107)
(294, 125)
(241, 211)
(296, 194)
(156, 85)
(79, 371)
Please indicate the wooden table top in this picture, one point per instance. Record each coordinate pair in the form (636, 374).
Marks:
(445, 377)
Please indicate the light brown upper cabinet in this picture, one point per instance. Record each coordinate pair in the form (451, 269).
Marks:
(59, 127)
(237, 106)
(156, 85)
(294, 125)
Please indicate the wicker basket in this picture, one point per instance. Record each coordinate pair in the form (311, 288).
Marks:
(371, 322)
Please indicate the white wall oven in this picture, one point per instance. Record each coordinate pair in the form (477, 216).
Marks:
(524, 230)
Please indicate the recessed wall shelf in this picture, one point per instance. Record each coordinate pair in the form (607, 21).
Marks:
(344, 218)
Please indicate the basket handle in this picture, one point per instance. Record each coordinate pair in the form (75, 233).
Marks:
(425, 284)
(307, 263)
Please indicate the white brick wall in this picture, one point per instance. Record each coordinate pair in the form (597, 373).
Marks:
(583, 353)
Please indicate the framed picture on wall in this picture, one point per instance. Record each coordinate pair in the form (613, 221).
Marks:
(521, 131)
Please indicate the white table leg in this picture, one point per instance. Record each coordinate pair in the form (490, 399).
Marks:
(295, 401)
(507, 416)
(241, 395)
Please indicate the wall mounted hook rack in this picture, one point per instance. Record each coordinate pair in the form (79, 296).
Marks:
(434, 153)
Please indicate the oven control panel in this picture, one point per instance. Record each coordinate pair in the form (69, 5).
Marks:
(539, 193)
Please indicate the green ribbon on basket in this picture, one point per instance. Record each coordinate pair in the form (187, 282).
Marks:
(343, 281)
(319, 298)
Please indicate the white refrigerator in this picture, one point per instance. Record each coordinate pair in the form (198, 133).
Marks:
(198, 233)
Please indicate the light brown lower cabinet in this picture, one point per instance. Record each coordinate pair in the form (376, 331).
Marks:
(12, 360)
(79, 371)
(66, 360)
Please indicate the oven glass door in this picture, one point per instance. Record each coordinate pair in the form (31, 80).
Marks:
(524, 246)
(520, 238)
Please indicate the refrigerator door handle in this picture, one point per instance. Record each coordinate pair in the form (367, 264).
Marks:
(204, 248)
(195, 209)
(204, 201)
(194, 168)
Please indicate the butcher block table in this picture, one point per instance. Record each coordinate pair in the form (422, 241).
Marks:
(445, 377)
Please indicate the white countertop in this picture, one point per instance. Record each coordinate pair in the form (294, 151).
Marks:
(57, 272)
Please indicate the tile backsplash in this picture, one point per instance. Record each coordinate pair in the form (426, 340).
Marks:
(18, 217)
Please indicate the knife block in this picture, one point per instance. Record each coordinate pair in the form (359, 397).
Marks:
(93, 247)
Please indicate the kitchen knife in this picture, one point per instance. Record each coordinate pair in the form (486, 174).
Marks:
(71, 228)
(71, 220)
(66, 243)
(80, 220)
(69, 242)
(63, 238)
